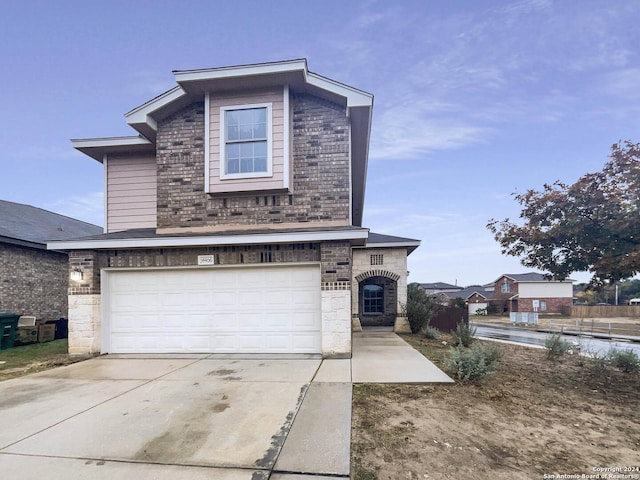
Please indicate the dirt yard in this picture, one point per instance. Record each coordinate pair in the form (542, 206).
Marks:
(533, 417)
(23, 360)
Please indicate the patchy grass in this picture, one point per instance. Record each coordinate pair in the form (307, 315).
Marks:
(26, 359)
(531, 417)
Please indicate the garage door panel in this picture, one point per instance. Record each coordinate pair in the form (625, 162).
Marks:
(128, 301)
(224, 298)
(304, 321)
(302, 341)
(305, 298)
(224, 310)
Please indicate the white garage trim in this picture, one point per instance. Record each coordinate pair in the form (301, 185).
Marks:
(222, 309)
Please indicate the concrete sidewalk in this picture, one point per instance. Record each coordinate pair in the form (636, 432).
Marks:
(383, 357)
(320, 437)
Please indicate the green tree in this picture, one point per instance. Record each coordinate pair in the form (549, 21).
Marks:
(592, 225)
(420, 307)
(457, 302)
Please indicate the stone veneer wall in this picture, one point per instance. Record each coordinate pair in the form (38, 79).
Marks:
(33, 282)
(334, 258)
(320, 164)
(394, 266)
(85, 303)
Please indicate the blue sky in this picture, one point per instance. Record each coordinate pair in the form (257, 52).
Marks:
(474, 100)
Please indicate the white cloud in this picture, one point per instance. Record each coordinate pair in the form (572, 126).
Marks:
(88, 207)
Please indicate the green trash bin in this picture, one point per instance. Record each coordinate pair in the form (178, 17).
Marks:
(8, 328)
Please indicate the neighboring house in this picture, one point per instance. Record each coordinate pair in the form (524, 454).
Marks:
(34, 280)
(532, 292)
(476, 297)
(234, 222)
(438, 287)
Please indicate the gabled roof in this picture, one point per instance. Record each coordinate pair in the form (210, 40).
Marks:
(32, 227)
(529, 277)
(440, 286)
(192, 85)
(468, 292)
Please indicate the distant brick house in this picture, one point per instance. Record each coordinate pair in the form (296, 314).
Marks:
(518, 292)
(234, 222)
(34, 280)
(532, 292)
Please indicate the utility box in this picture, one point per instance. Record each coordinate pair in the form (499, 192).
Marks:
(8, 327)
(27, 335)
(46, 332)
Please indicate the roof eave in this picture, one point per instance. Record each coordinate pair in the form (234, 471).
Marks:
(22, 243)
(356, 236)
(141, 117)
(96, 148)
(410, 246)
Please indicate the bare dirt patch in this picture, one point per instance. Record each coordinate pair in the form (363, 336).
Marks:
(532, 417)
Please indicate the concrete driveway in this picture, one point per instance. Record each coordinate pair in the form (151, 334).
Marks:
(179, 418)
(196, 416)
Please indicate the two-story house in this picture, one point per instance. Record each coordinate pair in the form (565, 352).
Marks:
(234, 222)
(532, 292)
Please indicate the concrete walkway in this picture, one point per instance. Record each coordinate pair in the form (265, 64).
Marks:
(383, 357)
(198, 416)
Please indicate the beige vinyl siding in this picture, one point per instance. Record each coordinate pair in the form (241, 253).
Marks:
(276, 181)
(131, 192)
(546, 290)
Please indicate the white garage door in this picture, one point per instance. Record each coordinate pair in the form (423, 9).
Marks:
(474, 307)
(220, 310)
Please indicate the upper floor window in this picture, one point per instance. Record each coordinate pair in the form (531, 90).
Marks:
(506, 288)
(245, 140)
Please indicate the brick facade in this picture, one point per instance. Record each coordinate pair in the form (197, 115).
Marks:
(553, 305)
(321, 183)
(312, 189)
(334, 258)
(33, 282)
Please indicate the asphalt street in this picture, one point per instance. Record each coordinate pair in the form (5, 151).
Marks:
(527, 336)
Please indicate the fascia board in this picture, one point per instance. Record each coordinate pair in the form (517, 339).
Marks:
(390, 245)
(142, 113)
(240, 71)
(355, 97)
(96, 148)
(22, 243)
(79, 143)
(294, 237)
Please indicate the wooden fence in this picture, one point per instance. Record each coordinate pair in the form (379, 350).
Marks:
(448, 318)
(605, 311)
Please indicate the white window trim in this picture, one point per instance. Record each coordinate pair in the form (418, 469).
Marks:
(223, 143)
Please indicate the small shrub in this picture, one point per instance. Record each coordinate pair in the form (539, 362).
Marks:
(625, 360)
(556, 345)
(473, 364)
(482, 311)
(431, 332)
(463, 335)
(598, 365)
(420, 307)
